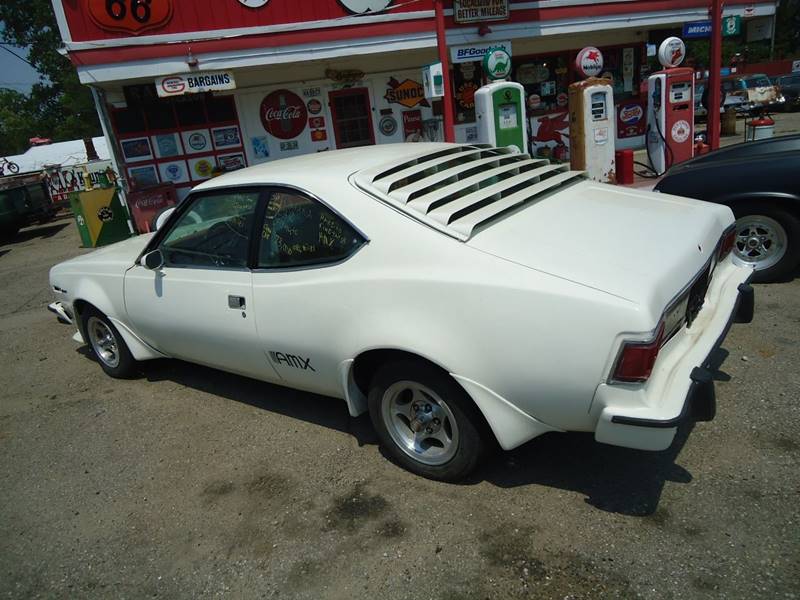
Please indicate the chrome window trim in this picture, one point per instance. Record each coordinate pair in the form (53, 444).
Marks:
(182, 207)
(308, 267)
(315, 265)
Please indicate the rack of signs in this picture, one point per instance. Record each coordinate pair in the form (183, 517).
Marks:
(181, 140)
(278, 122)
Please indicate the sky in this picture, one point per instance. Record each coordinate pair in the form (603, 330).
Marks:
(15, 73)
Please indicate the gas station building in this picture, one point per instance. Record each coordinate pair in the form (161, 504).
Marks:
(184, 87)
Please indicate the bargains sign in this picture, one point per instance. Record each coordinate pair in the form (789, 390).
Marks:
(194, 83)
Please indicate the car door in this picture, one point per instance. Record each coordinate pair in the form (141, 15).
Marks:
(303, 260)
(199, 305)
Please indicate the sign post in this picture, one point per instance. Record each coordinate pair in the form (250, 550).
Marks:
(712, 132)
(447, 100)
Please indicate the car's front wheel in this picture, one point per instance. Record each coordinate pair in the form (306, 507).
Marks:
(107, 345)
(425, 420)
(767, 238)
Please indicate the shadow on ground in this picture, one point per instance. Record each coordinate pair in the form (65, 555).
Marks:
(312, 408)
(41, 232)
(613, 479)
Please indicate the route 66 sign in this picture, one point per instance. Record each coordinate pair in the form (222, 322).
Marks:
(130, 16)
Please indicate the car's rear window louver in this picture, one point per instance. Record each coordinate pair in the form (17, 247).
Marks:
(465, 187)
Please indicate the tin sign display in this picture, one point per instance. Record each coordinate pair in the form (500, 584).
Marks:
(194, 83)
(497, 64)
(671, 52)
(589, 62)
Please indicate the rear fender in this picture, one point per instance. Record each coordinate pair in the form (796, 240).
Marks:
(510, 425)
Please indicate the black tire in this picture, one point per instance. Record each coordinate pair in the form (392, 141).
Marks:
(789, 222)
(122, 365)
(469, 441)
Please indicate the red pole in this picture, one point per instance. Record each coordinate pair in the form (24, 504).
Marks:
(714, 77)
(447, 100)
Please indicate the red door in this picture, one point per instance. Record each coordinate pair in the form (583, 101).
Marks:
(352, 117)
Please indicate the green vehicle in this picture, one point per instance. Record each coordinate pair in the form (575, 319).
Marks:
(23, 201)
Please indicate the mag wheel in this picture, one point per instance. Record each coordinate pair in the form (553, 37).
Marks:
(767, 239)
(107, 345)
(425, 420)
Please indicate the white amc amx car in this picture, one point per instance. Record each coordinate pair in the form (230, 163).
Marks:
(463, 295)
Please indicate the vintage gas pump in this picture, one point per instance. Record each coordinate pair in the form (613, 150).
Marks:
(500, 105)
(592, 120)
(592, 128)
(670, 110)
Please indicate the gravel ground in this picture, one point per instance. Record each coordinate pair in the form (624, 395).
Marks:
(189, 482)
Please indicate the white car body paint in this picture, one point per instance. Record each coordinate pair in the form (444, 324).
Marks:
(527, 312)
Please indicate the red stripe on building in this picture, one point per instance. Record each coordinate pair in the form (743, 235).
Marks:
(249, 42)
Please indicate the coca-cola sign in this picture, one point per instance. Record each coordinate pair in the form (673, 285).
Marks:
(283, 114)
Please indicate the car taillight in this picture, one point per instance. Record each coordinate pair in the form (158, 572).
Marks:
(635, 363)
(726, 245)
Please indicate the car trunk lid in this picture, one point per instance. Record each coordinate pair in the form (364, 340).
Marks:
(641, 246)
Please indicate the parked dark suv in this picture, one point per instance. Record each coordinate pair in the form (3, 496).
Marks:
(23, 201)
(790, 88)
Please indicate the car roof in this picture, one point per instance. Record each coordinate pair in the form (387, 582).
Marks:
(453, 188)
(338, 164)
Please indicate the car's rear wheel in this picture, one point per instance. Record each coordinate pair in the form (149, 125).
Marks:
(767, 238)
(107, 345)
(425, 420)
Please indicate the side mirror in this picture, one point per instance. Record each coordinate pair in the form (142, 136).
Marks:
(153, 260)
(162, 218)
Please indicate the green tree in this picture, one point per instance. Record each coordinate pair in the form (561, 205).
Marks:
(58, 107)
(787, 29)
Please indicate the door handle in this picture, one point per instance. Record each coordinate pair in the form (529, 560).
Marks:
(236, 302)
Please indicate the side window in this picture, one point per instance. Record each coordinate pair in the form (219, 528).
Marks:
(213, 232)
(298, 230)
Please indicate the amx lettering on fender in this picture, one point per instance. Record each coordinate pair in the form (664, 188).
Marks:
(290, 360)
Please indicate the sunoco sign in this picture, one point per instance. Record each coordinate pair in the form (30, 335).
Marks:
(194, 83)
(478, 11)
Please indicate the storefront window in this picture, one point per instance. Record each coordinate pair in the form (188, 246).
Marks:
(191, 111)
(545, 81)
(181, 140)
(467, 78)
(622, 67)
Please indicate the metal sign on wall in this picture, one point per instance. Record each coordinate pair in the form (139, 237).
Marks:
(195, 83)
(476, 51)
(129, 16)
(478, 11)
